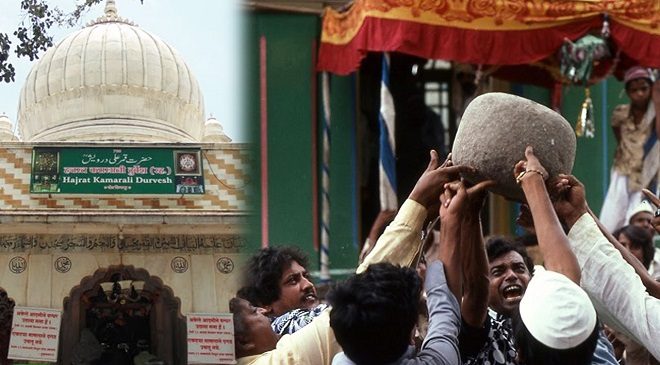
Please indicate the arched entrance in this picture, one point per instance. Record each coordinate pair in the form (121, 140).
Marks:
(127, 311)
(6, 315)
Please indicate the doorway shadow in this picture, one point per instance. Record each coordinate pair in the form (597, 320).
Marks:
(135, 313)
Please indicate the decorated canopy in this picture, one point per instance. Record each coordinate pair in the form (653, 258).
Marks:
(487, 32)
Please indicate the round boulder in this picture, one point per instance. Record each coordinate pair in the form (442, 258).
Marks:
(494, 132)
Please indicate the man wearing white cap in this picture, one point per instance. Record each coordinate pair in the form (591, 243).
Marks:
(636, 165)
(556, 324)
(642, 216)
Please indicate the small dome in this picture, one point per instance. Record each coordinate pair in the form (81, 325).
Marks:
(111, 81)
(213, 131)
(6, 131)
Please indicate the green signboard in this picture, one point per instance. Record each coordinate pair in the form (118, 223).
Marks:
(90, 170)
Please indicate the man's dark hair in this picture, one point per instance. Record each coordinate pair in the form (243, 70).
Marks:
(497, 246)
(639, 237)
(373, 313)
(532, 351)
(250, 294)
(264, 271)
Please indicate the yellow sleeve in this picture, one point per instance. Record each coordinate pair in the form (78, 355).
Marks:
(314, 344)
(402, 240)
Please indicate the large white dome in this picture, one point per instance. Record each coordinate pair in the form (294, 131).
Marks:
(111, 81)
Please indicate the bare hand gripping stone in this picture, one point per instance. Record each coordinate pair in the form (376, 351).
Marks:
(494, 132)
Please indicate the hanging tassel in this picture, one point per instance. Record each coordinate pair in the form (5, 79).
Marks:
(605, 31)
(585, 124)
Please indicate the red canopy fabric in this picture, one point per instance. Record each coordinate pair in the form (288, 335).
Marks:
(487, 32)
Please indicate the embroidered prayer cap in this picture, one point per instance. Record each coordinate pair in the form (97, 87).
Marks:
(556, 311)
(643, 206)
(637, 72)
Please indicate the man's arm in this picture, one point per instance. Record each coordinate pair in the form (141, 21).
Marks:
(383, 218)
(619, 115)
(474, 307)
(441, 343)
(615, 289)
(552, 240)
(444, 287)
(401, 241)
(656, 202)
(447, 249)
(456, 203)
(313, 344)
(567, 184)
(652, 286)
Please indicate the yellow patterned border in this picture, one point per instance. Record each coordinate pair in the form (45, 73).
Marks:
(340, 28)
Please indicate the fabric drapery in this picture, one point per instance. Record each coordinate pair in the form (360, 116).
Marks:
(489, 32)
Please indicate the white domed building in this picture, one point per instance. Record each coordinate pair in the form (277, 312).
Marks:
(120, 200)
(111, 81)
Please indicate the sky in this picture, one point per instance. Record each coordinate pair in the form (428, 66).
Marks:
(205, 33)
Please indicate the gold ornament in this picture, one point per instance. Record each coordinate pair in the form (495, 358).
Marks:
(585, 123)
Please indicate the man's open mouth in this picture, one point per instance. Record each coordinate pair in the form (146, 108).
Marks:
(310, 297)
(512, 292)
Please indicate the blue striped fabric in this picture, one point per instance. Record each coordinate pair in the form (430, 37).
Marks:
(387, 165)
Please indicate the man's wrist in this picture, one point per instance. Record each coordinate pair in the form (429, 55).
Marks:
(521, 176)
(531, 178)
(572, 218)
(450, 219)
(418, 199)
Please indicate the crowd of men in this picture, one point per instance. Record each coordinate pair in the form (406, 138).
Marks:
(467, 299)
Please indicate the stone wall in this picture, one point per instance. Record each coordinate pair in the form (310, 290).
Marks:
(203, 283)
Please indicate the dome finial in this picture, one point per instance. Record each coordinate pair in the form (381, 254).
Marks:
(110, 15)
(6, 129)
(110, 9)
(213, 131)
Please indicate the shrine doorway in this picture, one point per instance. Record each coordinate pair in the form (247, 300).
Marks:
(121, 312)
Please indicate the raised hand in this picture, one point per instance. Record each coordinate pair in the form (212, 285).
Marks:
(459, 201)
(569, 199)
(530, 164)
(431, 184)
(656, 92)
(651, 197)
(553, 243)
(656, 201)
(476, 197)
(453, 199)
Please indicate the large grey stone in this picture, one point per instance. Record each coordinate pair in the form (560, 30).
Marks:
(494, 132)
